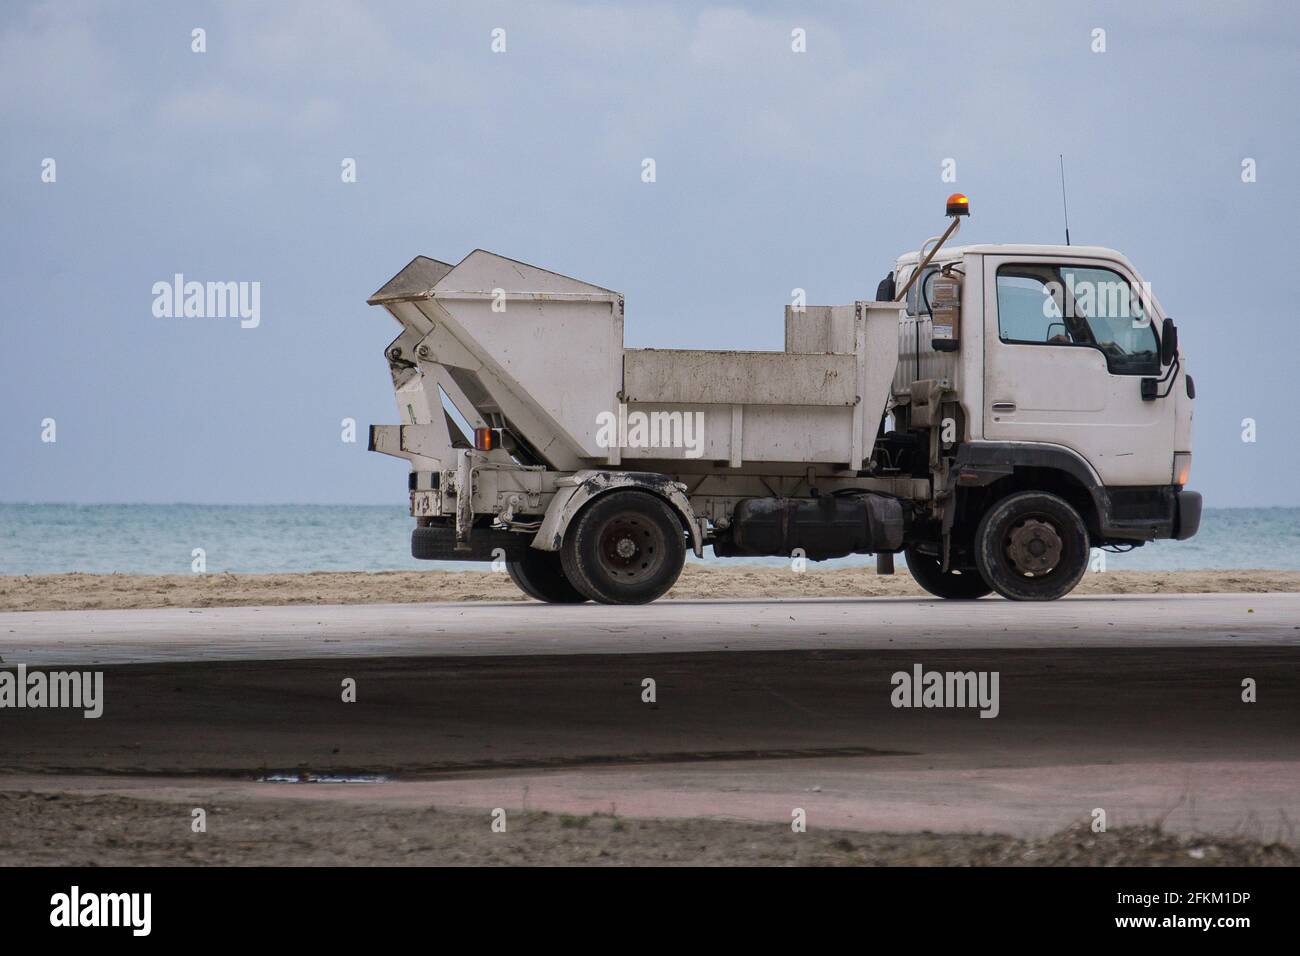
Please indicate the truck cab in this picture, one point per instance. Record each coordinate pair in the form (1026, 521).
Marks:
(1061, 374)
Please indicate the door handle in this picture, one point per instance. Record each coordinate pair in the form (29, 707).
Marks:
(1004, 406)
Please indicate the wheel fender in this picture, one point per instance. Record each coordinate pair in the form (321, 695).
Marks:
(573, 493)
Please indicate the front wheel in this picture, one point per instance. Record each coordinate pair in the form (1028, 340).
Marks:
(1032, 546)
(958, 584)
(626, 547)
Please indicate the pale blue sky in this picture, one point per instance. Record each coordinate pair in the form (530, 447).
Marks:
(775, 170)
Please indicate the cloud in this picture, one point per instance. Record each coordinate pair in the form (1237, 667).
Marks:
(55, 70)
(216, 106)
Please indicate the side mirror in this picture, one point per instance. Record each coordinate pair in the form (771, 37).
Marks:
(1168, 342)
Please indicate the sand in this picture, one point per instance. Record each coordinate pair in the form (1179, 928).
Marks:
(116, 591)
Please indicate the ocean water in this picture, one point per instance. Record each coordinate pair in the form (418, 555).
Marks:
(160, 539)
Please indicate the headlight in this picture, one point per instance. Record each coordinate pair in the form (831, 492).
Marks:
(1182, 467)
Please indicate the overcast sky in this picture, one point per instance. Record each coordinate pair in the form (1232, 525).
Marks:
(775, 170)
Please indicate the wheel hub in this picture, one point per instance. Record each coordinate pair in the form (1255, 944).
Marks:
(630, 547)
(1034, 547)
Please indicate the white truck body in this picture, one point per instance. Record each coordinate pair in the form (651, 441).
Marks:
(1063, 425)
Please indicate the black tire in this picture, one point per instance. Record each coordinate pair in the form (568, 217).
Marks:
(957, 584)
(540, 575)
(1032, 546)
(626, 547)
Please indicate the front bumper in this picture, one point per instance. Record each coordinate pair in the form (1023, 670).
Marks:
(1187, 514)
(1147, 513)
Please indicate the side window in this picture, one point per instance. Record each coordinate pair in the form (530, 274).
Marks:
(1045, 304)
(1027, 311)
(1114, 312)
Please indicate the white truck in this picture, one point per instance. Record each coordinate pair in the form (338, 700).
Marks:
(994, 413)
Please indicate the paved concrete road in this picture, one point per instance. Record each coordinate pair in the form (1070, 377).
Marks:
(402, 630)
(1129, 704)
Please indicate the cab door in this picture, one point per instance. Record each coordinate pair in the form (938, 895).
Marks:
(1067, 343)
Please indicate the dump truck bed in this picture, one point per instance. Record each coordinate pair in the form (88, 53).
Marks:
(542, 355)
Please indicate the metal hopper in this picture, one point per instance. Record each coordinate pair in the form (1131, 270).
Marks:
(540, 355)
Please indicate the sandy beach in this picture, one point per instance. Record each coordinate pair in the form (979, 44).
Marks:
(116, 591)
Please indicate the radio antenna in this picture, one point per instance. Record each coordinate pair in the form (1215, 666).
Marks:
(1064, 207)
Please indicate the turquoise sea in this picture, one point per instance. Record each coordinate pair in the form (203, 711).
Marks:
(159, 539)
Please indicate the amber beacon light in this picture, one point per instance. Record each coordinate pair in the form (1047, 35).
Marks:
(958, 205)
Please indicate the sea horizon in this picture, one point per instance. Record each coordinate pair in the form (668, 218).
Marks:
(145, 538)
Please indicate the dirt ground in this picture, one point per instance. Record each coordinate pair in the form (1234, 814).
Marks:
(59, 829)
(54, 592)
(233, 717)
(1153, 735)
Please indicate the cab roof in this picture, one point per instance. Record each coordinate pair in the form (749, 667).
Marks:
(951, 253)
(1019, 249)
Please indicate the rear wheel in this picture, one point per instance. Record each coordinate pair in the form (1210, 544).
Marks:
(626, 547)
(959, 584)
(539, 574)
(1032, 546)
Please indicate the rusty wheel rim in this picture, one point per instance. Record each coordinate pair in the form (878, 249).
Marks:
(1034, 547)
